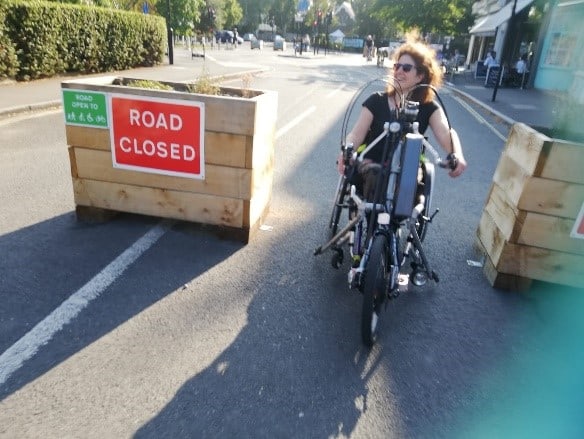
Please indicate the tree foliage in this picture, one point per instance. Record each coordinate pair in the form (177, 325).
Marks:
(232, 13)
(444, 17)
(184, 14)
(383, 18)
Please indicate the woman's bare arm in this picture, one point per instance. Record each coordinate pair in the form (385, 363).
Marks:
(448, 140)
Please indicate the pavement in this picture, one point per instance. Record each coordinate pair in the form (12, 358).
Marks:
(22, 97)
(530, 106)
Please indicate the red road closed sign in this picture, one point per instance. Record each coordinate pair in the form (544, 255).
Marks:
(578, 229)
(161, 136)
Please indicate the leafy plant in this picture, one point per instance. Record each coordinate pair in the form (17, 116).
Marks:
(146, 83)
(206, 85)
(245, 87)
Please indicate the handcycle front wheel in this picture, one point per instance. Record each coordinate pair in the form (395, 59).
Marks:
(374, 288)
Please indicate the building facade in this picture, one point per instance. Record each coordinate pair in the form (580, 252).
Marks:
(551, 41)
(560, 66)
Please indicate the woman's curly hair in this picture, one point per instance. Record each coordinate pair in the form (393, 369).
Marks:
(426, 63)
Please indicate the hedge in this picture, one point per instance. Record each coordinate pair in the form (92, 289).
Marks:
(43, 39)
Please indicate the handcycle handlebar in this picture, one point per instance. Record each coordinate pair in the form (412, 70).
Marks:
(451, 161)
(350, 154)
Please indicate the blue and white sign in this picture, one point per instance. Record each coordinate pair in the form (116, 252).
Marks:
(304, 6)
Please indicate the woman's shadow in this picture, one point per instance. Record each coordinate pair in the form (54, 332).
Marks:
(294, 370)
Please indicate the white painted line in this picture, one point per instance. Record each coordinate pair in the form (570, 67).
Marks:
(335, 91)
(295, 121)
(41, 334)
(478, 117)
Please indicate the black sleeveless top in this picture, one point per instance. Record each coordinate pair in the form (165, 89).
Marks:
(378, 104)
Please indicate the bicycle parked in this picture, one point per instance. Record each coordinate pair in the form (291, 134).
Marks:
(382, 233)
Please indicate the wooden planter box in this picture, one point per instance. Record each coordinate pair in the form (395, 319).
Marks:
(526, 227)
(235, 191)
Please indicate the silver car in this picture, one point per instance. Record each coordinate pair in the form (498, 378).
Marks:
(279, 43)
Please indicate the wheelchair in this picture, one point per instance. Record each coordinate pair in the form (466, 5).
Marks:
(350, 188)
(385, 226)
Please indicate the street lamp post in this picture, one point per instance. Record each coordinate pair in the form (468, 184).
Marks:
(169, 32)
(504, 54)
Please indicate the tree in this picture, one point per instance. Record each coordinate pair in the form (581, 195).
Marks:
(232, 13)
(185, 14)
(443, 17)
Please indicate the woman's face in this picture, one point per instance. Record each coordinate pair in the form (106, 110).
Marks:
(405, 72)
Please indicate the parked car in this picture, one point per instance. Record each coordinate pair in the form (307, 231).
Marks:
(279, 43)
(239, 40)
(224, 36)
(248, 37)
(256, 44)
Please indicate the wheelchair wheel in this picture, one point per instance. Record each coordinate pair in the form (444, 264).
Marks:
(339, 204)
(374, 287)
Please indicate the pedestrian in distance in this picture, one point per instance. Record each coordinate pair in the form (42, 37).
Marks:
(414, 63)
(369, 44)
(521, 65)
(235, 35)
(490, 60)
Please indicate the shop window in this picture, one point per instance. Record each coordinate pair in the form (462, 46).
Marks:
(561, 49)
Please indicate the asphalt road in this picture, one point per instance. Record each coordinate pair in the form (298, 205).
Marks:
(146, 328)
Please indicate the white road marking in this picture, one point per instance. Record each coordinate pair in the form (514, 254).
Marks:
(41, 334)
(478, 117)
(335, 91)
(295, 121)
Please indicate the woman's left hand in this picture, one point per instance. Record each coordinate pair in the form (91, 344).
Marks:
(460, 167)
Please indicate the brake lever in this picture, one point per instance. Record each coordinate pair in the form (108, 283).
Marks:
(451, 161)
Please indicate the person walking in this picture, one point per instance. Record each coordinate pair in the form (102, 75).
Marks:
(369, 44)
(235, 36)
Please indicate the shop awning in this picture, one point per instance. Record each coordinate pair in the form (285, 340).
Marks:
(487, 26)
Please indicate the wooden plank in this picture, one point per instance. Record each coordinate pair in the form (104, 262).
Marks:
(506, 216)
(185, 206)
(222, 181)
(229, 114)
(525, 146)
(262, 193)
(88, 137)
(511, 177)
(491, 237)
(220, 148)
(551, 197)
(73, 162)
(550, 232)
(565, 162)
(226, 149)
(542, 264)
(504, 281)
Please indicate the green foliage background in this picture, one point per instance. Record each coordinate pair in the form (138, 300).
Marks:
(40, 38)
(43, 39)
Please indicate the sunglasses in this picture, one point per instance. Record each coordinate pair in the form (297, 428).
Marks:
(405, 67)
